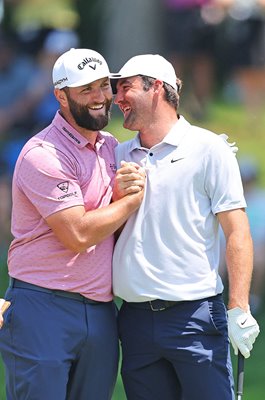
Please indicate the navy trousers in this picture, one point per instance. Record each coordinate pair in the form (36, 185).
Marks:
(56, 348)
(180, 353)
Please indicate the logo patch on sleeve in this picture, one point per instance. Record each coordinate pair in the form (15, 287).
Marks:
(64, 186)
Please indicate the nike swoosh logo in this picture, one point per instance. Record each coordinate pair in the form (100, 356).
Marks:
(172, 161)
(243, 322)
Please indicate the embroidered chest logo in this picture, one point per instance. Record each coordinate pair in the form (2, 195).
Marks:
(113, 167)
(176, 159)
(64, 186)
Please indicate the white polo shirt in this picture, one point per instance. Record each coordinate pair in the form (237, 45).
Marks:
(169, 249)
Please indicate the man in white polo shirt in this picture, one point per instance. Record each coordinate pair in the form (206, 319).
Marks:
(59, 338)
(173, 321)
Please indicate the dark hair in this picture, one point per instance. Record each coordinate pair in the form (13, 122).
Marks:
(171, 94)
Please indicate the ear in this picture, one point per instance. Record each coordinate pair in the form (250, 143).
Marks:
(158, 85)
(60, 96)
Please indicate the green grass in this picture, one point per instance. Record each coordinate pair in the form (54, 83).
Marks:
(247, 129)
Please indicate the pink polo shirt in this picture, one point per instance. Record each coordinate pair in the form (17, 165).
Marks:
(57, 169)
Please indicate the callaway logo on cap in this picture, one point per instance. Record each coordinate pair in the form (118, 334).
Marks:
(79, 67)
(152, 65)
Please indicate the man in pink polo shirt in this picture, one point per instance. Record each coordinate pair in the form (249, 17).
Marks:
(59, 339)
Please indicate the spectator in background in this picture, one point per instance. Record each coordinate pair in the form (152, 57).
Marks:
(16, 68)
(34, 107)
(189, 44)
(242, 61)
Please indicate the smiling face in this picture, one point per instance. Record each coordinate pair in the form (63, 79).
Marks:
(89, 105)
(134, 102)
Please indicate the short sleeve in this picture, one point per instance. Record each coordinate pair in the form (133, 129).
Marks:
(49, 179)
(222, 178)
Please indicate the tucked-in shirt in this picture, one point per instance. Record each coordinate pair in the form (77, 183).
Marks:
(57, 169)
(169, 249)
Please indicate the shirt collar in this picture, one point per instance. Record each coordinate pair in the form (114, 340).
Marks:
(72, 134)
(173, 137)
(177, 132)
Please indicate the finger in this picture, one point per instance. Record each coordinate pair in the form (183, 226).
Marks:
(131, 166)
(129, 163)
(132, 189)
(127, 171)
(255, 335)
(248, 344)
(130, 179)
(135, 182)
(132, 176)
(244, 350)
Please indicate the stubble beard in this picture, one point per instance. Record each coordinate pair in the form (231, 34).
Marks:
(130, 122)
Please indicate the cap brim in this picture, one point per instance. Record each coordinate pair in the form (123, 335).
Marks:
(113, 83)
(114, 80)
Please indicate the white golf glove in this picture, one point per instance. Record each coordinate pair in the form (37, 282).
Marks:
(243, 330)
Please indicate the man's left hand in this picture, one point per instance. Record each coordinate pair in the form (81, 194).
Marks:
(243, 330)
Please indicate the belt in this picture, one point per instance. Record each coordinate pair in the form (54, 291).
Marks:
(16, 283)
(154, 305)
(161, 305)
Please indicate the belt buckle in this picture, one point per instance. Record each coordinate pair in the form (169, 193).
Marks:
(162, 308)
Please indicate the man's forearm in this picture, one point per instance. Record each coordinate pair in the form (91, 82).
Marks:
(239, 260)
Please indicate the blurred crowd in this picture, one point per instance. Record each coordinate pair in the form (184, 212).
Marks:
(27, 103)
(216, 46)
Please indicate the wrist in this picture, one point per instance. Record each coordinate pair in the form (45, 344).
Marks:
(243, 305)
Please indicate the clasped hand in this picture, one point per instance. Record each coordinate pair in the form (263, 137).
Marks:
(129, 179)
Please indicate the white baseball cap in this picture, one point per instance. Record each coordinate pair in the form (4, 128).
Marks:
(79, 67)
(152, 65)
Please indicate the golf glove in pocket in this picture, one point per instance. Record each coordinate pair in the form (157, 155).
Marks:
(242, 330)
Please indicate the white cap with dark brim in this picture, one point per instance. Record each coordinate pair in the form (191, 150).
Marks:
(78, 67)
(152, 65)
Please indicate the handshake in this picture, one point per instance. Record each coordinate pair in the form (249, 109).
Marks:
(243, 330)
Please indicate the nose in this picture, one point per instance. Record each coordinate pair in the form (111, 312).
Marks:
(98, 94)
(118, 98)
